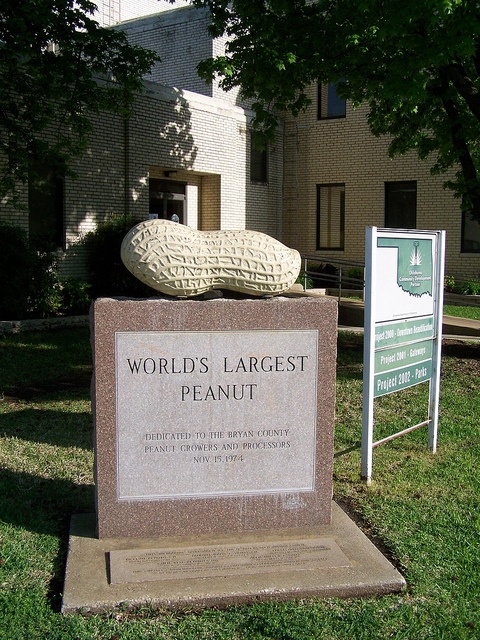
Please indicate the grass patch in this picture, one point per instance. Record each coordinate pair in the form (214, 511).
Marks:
(473, 313)
(35, 360)
(423, 509)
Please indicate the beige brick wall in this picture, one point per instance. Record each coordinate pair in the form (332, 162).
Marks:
(130, 9)
(344, 151)
(181, 39)
(198, 140)
(206, 141)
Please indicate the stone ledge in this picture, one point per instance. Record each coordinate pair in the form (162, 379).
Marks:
(43, 324)
(88, 588)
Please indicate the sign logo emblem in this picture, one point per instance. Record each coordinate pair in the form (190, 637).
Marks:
(414, 264)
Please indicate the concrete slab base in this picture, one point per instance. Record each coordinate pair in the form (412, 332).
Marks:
(220, 570)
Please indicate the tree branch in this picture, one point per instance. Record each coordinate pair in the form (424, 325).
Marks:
(464, 85)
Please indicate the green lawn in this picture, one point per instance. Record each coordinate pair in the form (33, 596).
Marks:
(422, 509)
(462, 312)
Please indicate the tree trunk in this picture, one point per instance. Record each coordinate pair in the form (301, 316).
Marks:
(471, 198)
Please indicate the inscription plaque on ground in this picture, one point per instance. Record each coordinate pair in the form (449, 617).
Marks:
(213, 416)
(133, 565)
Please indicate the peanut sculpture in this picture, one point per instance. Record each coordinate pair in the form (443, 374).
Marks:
(181, 261)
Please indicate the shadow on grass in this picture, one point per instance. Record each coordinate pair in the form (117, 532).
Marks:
(349, 357)
(44, 506)
(47, 426)
(44, 361)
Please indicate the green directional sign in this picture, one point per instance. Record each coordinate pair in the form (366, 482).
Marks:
(391, 381)
(403, 331)
(403, 355)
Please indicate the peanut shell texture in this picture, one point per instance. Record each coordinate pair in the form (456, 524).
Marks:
(180, 261)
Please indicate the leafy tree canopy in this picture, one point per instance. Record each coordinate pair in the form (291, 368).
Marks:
(49, 93)
(416, 63)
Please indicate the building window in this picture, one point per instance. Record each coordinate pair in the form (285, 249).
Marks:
(331, 216)
(470, 234)
(258, 163)
(401, 205)
(45, 208)
(330, 105)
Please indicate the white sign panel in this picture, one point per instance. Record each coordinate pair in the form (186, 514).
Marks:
(403, 322)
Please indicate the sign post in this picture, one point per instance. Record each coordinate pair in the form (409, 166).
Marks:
(403, 324)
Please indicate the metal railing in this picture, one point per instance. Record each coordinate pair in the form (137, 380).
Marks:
(332, 273)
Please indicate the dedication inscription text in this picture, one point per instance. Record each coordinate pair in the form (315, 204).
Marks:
(137, 565)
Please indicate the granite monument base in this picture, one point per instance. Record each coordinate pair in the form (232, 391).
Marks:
(213, 417)
(335, 560)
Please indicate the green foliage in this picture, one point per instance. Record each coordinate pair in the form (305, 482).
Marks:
(323, 275)
(29, 285)
(47, 98)
(46, 291)
(16, 268)
(449, 284)
(469, 287)
(355, 278)
(356, 273)
(107, 274)
(75, 296)
(305, 280)
(415, 63)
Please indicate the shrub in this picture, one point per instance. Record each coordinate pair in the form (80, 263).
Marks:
(16, 272)
(29, 284)
(107, 274)
(46, 291)
(75, 296)
(449, 284)
(323, 275)
(355, 272)
(305, 280)
(470, 287)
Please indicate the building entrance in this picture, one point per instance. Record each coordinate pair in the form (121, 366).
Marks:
(167, 199)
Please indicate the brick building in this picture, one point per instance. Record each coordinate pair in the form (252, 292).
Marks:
(186, 150)
(338, 179)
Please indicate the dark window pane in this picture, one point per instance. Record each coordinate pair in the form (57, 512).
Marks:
(167, 199)
(470, 234)
(258, 163)
(331, 216)
(330, 105)
(336, 105)
(45, 208)
(401, 205)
